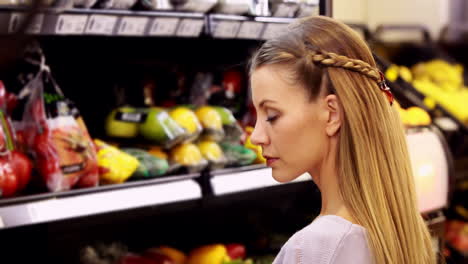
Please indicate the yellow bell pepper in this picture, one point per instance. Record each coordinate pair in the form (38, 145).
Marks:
(118, 165)
(210, 254)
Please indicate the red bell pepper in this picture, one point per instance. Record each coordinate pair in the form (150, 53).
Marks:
(236, 251)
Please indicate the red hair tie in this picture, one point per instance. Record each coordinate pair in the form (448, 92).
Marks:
(384, 87)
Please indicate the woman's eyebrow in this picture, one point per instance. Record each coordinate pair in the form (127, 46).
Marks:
(265, 101)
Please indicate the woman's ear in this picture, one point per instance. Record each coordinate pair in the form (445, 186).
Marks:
(334, 115)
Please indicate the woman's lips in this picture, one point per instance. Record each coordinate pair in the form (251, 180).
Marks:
(270, 161)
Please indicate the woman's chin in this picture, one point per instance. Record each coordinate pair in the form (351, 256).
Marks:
(282, 176)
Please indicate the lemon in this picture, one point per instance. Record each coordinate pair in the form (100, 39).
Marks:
(406, 74)
(392, 73)
(210, 150)
(209, 118)
(186, 118)
(418, 116)
(186, 154)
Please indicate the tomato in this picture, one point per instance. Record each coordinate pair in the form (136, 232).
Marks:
(22, 167)
(8, 180)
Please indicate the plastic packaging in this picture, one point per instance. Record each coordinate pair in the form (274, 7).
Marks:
(212, 123)
(160, 128)
(150, 166)
(238, 155)
(57, 138)
(189, 156)
(115, 165)
(188, 120)
(123, 122)
(213, 153)
(232, 129)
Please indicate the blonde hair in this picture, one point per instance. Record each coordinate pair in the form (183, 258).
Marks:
(374, 171)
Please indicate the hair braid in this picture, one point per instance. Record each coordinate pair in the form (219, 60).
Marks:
(331, 59)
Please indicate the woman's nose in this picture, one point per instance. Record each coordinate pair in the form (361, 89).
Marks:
(259, 137)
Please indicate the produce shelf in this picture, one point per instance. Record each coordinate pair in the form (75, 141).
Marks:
(41, 208)
(103, 199)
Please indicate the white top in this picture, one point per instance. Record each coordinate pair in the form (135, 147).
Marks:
(329, 239)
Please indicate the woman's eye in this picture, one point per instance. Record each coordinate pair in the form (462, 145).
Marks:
(272, 118)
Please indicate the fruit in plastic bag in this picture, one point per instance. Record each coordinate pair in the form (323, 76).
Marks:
(160, 128)
(189, 156)
(227, 118)
(211, 122)
(149, 166)
(8, 179)
(123, 123)
(232, 130)
(212, 152)
(19, 163)
(158, 153)
(187, 119)
(238, 155)
(115, 165)
(57, 138)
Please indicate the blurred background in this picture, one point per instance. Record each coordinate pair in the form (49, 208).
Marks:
(125, 126)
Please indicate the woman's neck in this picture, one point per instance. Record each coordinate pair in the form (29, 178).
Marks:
(326, 179)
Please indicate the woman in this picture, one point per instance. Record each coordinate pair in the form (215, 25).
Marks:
(323, 108)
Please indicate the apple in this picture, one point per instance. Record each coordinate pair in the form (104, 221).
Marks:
(160, 128)
(123, 122)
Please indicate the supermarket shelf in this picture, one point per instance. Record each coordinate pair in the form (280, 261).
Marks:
(243, 27)
(62, 208)
(35, 209)
(247, 180)
(107, 22)
(102, 188)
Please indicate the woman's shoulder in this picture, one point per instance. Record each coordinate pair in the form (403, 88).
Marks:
(328, 239)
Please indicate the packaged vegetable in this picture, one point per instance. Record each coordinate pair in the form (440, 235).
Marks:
(150, 166)
(238, 155)
(115, 165)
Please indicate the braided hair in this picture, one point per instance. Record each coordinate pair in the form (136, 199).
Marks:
(332, 59)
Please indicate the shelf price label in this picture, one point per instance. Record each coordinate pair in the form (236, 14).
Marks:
(132, 26)
(17, 19)
(250, 30)
(273, 29)
(164, 26)
(101, 24)
(226, 29)
(190, 27)
(71, 24)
